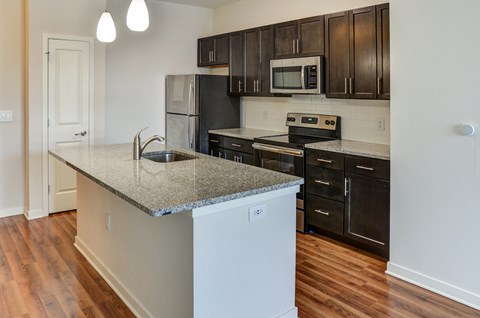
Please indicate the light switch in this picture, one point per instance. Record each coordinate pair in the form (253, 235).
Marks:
(6, 115)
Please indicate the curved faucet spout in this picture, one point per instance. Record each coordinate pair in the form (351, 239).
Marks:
(138, 147)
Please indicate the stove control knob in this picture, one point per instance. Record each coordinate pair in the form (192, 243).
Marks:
(332, 122)
(327, 122)
(291, 119)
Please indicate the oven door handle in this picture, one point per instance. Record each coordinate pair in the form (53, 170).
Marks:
(279, 150)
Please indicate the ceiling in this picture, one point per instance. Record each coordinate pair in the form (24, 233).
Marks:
(204, 3)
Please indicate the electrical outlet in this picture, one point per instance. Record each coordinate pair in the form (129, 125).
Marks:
(257, 212)
(381, 124)
(6, 115)
(108, 222)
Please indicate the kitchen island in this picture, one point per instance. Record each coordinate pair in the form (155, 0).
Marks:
(198, 238)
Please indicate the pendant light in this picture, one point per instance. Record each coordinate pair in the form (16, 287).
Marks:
(137, 16)
(106, 28)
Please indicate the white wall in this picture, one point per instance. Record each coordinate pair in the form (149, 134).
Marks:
(138, 62)
(77, 18)
(435, 174)
(12, 98)
(359, 118)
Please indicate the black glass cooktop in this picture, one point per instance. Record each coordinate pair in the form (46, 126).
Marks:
(290, 140)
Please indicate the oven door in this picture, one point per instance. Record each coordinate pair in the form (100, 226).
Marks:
(284, 160)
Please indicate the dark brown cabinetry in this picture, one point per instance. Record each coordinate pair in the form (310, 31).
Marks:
(213, 50)
(236, 66)
(235, 149)
(258, 53)
(297, 38)
(383, 51)
(348, 198)
(351, 53)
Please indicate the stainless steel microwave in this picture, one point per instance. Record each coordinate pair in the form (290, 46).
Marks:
(297, 75)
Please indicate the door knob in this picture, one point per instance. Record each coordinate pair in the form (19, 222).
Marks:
(83, 133)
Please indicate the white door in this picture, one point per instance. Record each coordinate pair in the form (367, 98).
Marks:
(68, 114)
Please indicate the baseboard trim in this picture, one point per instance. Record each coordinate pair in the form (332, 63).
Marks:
(35, 214)
(125, 295)
(11, 212)
(437, 286)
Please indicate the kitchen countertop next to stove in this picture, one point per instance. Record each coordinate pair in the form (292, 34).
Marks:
(246, 133)
(357, 148)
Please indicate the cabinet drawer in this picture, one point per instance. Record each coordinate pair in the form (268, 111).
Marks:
(368, 167)
(325, 159)
(237, 144)
(215, 140)
(325, 214)
(326, 183)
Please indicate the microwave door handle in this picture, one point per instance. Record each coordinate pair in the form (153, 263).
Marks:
(304, 70)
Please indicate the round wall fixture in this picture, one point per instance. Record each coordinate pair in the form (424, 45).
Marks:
(467, 130)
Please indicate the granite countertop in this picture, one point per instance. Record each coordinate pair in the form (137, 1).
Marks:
(246, 133)
(357, 148)
(164, 188)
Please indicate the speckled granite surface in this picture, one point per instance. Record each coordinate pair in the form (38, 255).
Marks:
(165, 188)
(246, 133)
(357, 148)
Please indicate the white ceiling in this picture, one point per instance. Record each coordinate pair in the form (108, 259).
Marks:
(204, 3)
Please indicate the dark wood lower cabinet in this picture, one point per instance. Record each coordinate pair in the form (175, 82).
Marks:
(350, 200)
(235, 149)
(367, 207)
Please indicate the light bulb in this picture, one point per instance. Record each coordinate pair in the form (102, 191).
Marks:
(106, 28)
(137, 16)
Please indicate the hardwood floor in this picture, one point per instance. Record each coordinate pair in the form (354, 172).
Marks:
(43, 275)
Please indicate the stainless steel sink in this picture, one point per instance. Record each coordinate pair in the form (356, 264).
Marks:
(167, 156)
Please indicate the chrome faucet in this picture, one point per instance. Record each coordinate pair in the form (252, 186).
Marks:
(138, 147)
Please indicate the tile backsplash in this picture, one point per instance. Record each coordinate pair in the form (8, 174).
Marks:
(362, 120)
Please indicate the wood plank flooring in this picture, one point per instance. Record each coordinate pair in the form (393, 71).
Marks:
(43, 275)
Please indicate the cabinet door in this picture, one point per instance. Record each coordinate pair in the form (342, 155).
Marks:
(337, 55)
(205, 48)
(220, 55)
(251, 60)
(383, 51)
(311, 36)
(286, 36)
(367, 213)
(217, 152)
(266, 55)
(363, 53)
(236, 63)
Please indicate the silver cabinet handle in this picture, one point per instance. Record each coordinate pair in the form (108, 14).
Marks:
(379, 89)
(213, 56)
(351, 86)
(214, 140)
(364, 168)
(83, 133)
(239, 86)
(298, 48)
(346, 187)
(254, 86)
(323, 212)
(325, 160)
(346, 91)
(322, 182)
(211, 152)
(293, 45)
(240, 159)
(237, 145)
(258, 86)
(210, 56)
(220, 154)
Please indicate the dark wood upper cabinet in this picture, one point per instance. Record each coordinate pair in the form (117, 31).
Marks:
(383, 51)
(297, 38)
(258, 53)
(252, 57)
(354, 54)
(236, 66)
(213, 50)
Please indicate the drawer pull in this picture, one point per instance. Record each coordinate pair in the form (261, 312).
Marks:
(364, 168)
(325, 160)
(323, 212)
(322, 182)
(237, 145)
(215, 141)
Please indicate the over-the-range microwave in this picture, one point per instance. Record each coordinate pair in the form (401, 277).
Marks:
(303, 75)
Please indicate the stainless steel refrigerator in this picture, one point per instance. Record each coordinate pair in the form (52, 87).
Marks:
(196, 104)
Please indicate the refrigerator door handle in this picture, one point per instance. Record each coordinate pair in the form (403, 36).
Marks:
(191, 93)
(191, 132)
